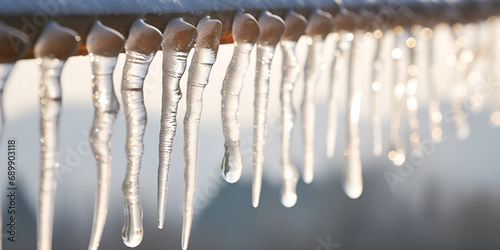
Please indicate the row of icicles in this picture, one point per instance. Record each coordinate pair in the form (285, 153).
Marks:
(56, 43)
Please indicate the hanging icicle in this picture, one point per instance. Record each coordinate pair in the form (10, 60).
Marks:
(140, 47)
(104, 44)
(295, 27)
(55, 44)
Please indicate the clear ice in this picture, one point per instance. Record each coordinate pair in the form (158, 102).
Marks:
(411, 91)
(295, 25)
(376, 87)
(353, 180)
(397, 154)
(245, 33)
(144, 40)
(55, 44)
(179, 38)
(271, 28)
(205, 54)
(103, 44)
(459, 86)
(319, 26)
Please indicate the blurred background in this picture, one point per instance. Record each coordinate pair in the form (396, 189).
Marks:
(449, 199)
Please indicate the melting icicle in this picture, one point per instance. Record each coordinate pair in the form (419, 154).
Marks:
(398, 154)
(459, 86)
(317, 29)
(295, 26)
(435, 116)
(271, 28)
(353, 181)
(54, 46)
(245, 33)
(103, 44)
(376, 87)
(178, 39)
(144, 40)
(411, 99)
(332, 106)
(206, 48)
(344, 43)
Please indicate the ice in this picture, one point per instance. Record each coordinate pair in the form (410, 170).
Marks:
(54, 46)
(319, 26)
(179, 38)
(245, 34)
(144, 40)
(103, 44)
(271, 28)
(295, 27)
(205, 54)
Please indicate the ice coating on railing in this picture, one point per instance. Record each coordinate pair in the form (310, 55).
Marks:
(104, 44)
(205, 54)
(179, 38)
(295, 25)
(245, 34)
(318, 27)
(141, 7)
(54, 46)
(140, 47)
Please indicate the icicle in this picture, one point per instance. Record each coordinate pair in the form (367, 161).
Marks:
(411, 90)
(353, 181)
(9, 38)
(295, 26)
(435, 116)
(317, 29)
(245, 33)
(459, 86)
(206, 48)
(376, 87)
(332, 106)
(271, 28)
(140, 47)
(398, 154)
(103, 44)
(343, 46)
(178, 39)
(55, 44)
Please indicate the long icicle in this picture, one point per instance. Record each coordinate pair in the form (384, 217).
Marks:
(332, 106)
(459, 84)
(319, 26)
(178, 39)
(205, 54)
(144, 40)
(435, 116)
(411, 91)
(9, 38)
(103, 44)
(398, 154)
(353, 180)
(54, 46)
(295, 27)
(271, 28)
(245, 33)
(376, 87)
